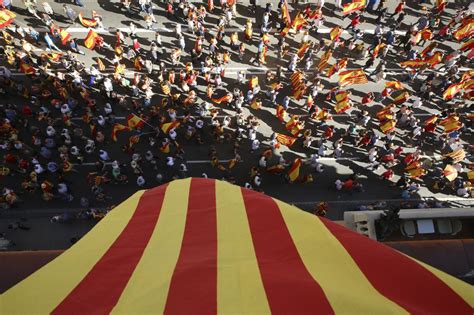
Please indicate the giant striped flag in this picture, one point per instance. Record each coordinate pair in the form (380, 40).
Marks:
(205, 246)
(352, 77)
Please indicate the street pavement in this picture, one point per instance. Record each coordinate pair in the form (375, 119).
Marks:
(304, 195)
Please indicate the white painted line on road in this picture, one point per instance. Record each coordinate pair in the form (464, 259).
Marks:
(186, 162)
(371, 201)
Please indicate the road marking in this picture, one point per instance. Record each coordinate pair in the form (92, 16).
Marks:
(185, 162)
(370, 201)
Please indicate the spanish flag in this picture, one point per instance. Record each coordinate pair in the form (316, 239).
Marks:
(331, 70)
(6, 18)
(352, 77)
(413, 63)
(91, 39)
(435, 59)
(468, 45)
(166, 127)
(299, 21)
(165, 148)
(388, 126)
(100, 64)
(402, 98)
(223, 99)
(342, 96)
(428, 49)
(133, 140)
(466, 30)
(452, 125)
(396, 85)
(417, 172)
(65, 36)
(335, 33)
(281, 113)
(304, 47)
(468, 85)
(133, 121)
(323, 62)
(286, 13)
(353, 6)
(253, 82)
(452, 90)
(294, 171)
(27, 68)
(342, 107)
(117, 128)
(431, 120)
(86, 22)
(377, 49)
(285, 140)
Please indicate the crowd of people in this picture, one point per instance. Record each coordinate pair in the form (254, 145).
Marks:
(61, 112)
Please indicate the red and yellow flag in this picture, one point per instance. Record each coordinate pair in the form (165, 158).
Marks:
(294, 171)
(133, 140)
(26, 68)
(413, 63)
(377, 49)
(401, 98)
(286, 13)
(342, 107)
(65, 36)
(353, 6)
(229, 241)
(302, 50)
(396, 85)
(86, 22)
(6, 18)
(335, 33)
(166, 127)
(117, 128)
(450, 173)
(100, 64)
(285, 140)
(165, 148)
(133, 121)
(388, 126)
(323, 62)
(468, 45)
(466, 30)
(352, 77)
(452, 90)
(91, 39)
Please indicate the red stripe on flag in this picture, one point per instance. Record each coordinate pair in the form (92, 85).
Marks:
(278, 257)
(193, 285)
(101, 288)
(399, 278)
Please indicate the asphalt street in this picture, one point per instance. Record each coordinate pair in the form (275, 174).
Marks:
(305, 195)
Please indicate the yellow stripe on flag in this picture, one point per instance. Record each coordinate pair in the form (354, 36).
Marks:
(64, 273)
(165, 243)
(239, 283)
(358, 295)
(464, 290)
